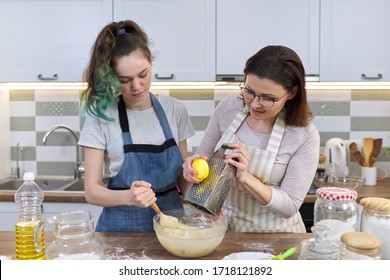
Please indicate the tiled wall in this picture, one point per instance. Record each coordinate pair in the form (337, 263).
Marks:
(348, 114)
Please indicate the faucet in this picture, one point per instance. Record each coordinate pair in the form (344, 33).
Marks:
(18, 150)
(79, 168)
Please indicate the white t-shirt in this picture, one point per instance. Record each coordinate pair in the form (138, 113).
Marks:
(144, 126)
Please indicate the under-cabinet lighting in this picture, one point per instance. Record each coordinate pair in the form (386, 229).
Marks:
(348, 85)
(196, 85)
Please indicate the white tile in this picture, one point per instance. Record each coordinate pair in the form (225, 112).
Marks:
(24, 138)
(329, 123)
(199, 107)
(370, 108)
(5, 134)
(22, 109)
(56, 153)
(57, 95)
(44, 123)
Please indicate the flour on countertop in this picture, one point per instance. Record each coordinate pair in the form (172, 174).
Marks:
(119, 253)
(258, 246)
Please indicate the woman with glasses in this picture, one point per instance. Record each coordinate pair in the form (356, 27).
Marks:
(134, 141)
(274, 145)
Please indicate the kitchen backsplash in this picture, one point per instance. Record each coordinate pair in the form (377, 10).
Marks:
(347, 114)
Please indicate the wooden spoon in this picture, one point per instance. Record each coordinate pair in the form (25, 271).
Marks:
(375, 150)
(167, 220)
(368, 145)
(353, 148)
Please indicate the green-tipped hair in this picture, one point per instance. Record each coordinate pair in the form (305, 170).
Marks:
(106, 91)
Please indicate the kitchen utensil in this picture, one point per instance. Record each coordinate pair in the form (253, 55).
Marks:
(210, 194)
(375, 151)
(156, 208)
(165, 220)
(353, 148)
(336, 158)
(285, 255)
(368, 145)
(204, 233)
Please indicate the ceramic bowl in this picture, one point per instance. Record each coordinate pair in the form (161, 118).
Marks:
(204, 236)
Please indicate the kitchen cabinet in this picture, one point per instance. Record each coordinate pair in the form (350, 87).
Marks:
(182, 35)
(9, 212)
(354, 40)
(49, 40)
(246, 26)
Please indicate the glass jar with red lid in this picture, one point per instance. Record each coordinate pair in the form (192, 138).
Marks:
(336, 208)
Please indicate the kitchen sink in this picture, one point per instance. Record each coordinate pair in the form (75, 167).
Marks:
(46, 183)
(75, 186)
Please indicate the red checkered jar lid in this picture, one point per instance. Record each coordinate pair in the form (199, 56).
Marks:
(335, 193)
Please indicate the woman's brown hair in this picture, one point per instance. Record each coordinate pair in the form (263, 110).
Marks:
(283, 66)
(114, 41)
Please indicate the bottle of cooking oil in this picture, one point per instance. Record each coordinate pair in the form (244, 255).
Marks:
(30, 242)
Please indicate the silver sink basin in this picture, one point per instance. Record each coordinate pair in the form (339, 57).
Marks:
(75, 186)
(46, 184)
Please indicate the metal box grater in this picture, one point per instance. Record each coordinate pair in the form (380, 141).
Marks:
(210, 194)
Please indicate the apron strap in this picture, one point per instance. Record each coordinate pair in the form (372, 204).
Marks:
(162, 118)
(276, 135)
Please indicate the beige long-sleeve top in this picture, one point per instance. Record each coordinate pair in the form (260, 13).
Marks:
(295, 164)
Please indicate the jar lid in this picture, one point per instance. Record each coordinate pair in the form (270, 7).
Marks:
(361, 240)
(335, 193)
(378, 205)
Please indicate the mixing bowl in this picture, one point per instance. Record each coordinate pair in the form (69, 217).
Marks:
(202, 237)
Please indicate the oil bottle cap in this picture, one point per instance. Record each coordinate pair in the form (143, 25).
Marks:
(29, 176)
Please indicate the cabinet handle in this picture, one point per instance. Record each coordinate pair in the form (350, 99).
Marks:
(378, 77)
(42, 78)
(170, 77)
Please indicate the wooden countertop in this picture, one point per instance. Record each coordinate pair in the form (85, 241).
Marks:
(382, 189)
(146, 245)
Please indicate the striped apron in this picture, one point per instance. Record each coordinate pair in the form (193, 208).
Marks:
(244, 212)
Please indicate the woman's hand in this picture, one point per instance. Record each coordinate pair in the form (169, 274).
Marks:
(188, 171)
(141, 194)
(239, 158)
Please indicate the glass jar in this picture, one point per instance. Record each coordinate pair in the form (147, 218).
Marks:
(319, 247)
(376, 220)
(74, 238)
(336, 208)
(360, 246)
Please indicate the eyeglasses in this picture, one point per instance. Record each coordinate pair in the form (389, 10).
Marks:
(264, 100)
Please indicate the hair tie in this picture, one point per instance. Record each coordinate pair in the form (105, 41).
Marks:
(119, 32)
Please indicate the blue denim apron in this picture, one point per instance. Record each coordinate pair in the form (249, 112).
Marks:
(159, 165)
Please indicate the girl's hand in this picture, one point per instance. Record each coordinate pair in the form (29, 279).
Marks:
(239, 158)
(141, 194)
(188, 171)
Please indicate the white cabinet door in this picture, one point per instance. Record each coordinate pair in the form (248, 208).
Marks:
(246, 26)
(49, 39)
(182, 35)
(355, 41)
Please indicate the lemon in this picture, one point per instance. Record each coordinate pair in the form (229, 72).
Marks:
(201, 167)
